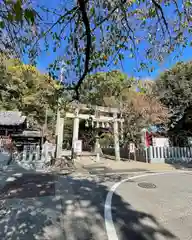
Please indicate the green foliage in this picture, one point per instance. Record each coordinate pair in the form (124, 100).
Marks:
(25, 89)
(18, 27)
(106, 32)
(91, 35)
(115, 89)
(174, 88)
(99, 88)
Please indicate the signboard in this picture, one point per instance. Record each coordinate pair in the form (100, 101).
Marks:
(77, 146)
(160, 142)
(154, 142)
(131, 147)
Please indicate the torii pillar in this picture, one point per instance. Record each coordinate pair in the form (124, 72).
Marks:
(116, 137)
(75, 127)
(59, 135)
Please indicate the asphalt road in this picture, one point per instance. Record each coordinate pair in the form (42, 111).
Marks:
(162, 212)
(43, 206)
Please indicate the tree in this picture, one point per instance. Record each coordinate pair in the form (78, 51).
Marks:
(93, 34)
(174, 89)
(18, 26)
(140, 107)
(141, 110)
(25, 89)
(104, 88)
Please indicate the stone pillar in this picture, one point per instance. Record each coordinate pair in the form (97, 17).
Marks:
(60, 137)
(122, 131)
(57, 122)
(116, 137)
(57, 132)
(97, 149)
(75, 127)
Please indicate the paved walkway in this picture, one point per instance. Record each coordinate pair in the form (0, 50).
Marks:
(107, 166)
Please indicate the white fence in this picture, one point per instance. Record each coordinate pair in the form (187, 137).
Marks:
(155, 154)
(169, 154)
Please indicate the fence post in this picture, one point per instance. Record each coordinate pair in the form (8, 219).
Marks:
(176, 153)
(185, 155)
(31, 152)
(149, 154)
(158, 153)
(146, 154)
(190, 151)
(24, 155)
(37, 153)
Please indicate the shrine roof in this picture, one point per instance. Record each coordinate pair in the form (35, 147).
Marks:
(11, 118)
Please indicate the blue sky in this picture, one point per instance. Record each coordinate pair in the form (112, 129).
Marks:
(128, 65)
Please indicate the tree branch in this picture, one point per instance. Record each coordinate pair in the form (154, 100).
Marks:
(108, 16)
(54, 24)
(159, 8)
(82, 7)
(88, 30)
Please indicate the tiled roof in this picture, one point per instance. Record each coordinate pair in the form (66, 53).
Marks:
(11, 118)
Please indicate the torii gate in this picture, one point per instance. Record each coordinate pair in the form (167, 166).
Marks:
(98, 118)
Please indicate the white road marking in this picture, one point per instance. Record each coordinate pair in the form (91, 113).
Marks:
(110, 228)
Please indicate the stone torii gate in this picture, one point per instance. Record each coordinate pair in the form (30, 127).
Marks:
(98, 117)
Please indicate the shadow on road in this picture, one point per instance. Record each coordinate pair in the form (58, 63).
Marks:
(108, 170)
(129, 223)
(180, 165)
(43, 206)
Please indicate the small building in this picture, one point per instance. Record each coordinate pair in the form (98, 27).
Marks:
(154, 136)
(14, 128)
(27, 138)
(12, 122)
